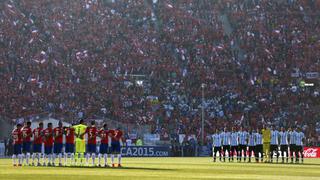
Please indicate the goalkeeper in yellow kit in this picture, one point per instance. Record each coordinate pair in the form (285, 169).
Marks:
(80, 131)
(266, 136)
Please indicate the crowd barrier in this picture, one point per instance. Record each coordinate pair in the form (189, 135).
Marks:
(308, 152)
(165, 151)
(311, 152)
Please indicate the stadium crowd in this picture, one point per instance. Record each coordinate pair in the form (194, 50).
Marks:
(145, 61)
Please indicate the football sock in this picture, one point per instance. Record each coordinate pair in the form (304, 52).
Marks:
(54, 158)
(38, 157)
(119, 158)
(105, 156)
(81, 158)
(112, 159)
(60, 158)
(76, 158)
(44, 157)
(33, 157)
(22, 156)
(50, 158)
(72, 157)
(65, 159)
(93, 159)
(28, 158)
(87, 158)
(14, 159)
(99, 159)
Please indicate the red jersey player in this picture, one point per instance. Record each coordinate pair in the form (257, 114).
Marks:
(17, 145)
(69, 150)
(26, 146)
(104, 144)
(48, 143)
(37, 143)
(58, 137)
(92, 142)
(116, 142)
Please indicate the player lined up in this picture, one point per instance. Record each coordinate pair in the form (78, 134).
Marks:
(264, 142)
(75, 144)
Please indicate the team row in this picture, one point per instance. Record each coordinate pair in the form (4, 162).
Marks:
(49, 136)
(75, 145)
(264, 142)
(253, 138)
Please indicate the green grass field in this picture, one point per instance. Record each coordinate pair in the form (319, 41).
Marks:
(167, 168)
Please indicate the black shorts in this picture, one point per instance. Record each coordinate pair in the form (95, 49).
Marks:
(251, 148)
(242, 147)
(226, 148)
(234, 148)
(283, 148)
(273, 148)
(216, 149)
(258, 149)
(299, 148)
(292, 148)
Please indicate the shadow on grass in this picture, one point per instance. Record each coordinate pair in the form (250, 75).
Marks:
(109, 168)
(268, 163)
(304, 164)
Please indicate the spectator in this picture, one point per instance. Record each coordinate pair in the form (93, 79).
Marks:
(139, 142)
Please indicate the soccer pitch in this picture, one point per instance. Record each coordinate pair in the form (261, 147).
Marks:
(167, 168)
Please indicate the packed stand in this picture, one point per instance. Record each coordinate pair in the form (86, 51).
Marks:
(144, 62)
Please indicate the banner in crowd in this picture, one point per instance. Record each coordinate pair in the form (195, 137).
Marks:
(308, 75)
(151, 139)
(145, 151)
(312, 75)
(311, 152)
(133, 135)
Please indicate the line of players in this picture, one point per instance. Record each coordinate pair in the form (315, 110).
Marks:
(243, 143)
(52, 139)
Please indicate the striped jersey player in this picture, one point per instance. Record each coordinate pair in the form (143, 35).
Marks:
(259, 145)
(274, 143)
(292, 134)
(234, 142)
(243, 139)
(226, 138)
(299, 145)
(284, 144)
(217, 143)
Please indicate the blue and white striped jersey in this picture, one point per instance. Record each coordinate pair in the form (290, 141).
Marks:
(299, 137)
(292, 137)
(251, 141)
(258, 138)
(243, 136)
(234, 139)
(226, 138)
(283, 138)
(217, 140)
(274, 137)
